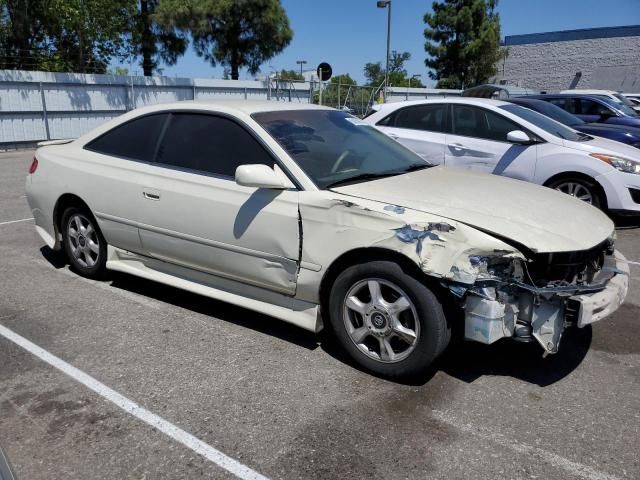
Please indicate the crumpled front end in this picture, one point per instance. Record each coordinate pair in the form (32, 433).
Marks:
(536, 298)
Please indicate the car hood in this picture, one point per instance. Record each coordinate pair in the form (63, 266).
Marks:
(541, 219)
(604, 145)
(607, 127)
(631, 134)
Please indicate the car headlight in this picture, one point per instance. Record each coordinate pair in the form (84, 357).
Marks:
(620, 163)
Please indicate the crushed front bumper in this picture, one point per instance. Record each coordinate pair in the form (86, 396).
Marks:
(542, 314)
(596, 306)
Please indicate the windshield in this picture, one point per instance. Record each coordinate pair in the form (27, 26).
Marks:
(624, 100)
(545, 123)
(551, 111)
(334, 147)
(623, 107)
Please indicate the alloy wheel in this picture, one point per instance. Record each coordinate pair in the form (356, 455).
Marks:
(381, 320)
(577, 190)
(83, 240)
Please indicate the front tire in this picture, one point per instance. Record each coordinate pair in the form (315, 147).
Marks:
(83, 242)
(580, 188)
(388, 322)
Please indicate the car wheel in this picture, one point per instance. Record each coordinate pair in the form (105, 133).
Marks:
(580, 188)
(85, 246)
(388, 322)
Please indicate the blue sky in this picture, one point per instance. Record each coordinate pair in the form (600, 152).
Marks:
(350, 33)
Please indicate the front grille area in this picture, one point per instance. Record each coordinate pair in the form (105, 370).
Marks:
(576, 268)
(635, 194)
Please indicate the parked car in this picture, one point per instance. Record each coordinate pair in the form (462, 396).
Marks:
(310, 215)
(612, 95)
(636, 103)
(593, 108)
(619, 133)
(498, 137)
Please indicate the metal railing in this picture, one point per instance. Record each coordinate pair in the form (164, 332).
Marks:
(37, 106)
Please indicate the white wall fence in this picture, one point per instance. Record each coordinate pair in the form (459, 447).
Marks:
(37, 106)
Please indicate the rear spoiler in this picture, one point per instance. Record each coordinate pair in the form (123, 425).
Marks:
(55, 142)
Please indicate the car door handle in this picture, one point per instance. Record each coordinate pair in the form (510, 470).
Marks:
(457, 146)
(151, 196)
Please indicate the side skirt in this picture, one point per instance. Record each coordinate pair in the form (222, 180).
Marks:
(298, 312)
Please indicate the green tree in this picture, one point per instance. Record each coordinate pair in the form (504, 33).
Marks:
(152, 42)
(334, 92)
(290, 75)
(118, 71)
(462, 42)
(374, 73)
(237, 33)
(63, 35)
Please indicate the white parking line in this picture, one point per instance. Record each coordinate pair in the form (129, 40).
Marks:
(198, 446)
(16, 221)
(575, 468)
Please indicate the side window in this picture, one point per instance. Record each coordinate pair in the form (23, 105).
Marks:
(210, 144)
(430, 118)
(480, 123)
(465, 121)
(589, 107)
(498, 126)
(136, 139)
(558, 102)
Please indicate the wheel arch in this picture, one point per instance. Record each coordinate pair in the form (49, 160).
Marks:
(368, 254)
(65, 201)
(579, 175)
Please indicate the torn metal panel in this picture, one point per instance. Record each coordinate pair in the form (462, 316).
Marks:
(513, 308)
(333, 224)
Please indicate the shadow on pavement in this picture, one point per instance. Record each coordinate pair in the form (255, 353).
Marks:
(465, 361)
(468, 361)
(626, 222)
(221, 310)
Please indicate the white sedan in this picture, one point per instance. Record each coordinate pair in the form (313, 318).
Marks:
(309, 215)
(497, 137)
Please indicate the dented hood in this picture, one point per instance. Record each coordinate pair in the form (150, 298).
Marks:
(539, 218)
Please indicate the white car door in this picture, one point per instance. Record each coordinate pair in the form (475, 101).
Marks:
(420, 128)
(112, 181)
(195, 215)
(478, 141)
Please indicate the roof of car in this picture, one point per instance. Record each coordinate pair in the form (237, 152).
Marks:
(567, 95)
(246, 106)
(465, 101)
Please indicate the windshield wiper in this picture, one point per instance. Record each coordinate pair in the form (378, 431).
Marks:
(361, 178)
(584, 137)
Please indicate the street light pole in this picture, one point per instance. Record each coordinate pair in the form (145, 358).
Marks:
(301, 63)
(417, 75)
(386, 4)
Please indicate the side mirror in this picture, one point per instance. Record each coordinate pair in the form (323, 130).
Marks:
(518, 136)
(259, 176)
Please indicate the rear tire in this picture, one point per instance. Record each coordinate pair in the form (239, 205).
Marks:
(83, 242)
(388, 322)
(581, 188)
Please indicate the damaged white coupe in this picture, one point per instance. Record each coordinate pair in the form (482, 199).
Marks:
(312, 216)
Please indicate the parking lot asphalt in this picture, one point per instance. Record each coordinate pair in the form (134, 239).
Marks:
(282, 401)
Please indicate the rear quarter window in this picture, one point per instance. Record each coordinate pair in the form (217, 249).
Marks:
(136, 139)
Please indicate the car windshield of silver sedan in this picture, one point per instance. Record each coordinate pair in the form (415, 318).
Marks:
(334, 148)
(547, 124)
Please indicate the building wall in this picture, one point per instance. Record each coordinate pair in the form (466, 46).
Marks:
(608, 59)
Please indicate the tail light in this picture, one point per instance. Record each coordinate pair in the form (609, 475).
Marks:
(34, 166)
